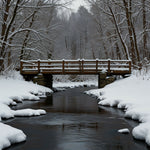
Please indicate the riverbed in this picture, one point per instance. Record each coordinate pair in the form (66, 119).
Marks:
(74, 121)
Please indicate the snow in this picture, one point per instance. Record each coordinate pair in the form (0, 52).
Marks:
(10, 135)
(69, 69)
(19, 90)
(69, 84)
(29, 112)
(14, 89)
(124, 131)
(133, 95)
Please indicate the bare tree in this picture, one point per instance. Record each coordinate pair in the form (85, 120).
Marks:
(22, 34)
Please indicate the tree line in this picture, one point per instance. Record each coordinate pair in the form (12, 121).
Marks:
(124, 27)
(39, 29)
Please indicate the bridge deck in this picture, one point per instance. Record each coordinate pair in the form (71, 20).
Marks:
(113, 67)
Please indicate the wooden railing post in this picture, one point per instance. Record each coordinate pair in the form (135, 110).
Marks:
(79, 65)
(38, 65)
(129, 66)
(96, 65)
(21, 66)
(63, 66)
(82, 65)
(108, 66)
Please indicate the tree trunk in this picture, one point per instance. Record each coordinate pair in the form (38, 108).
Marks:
(3, 51)
(4, 24)
(128, 18)
(120, 36)
(145, 54)
(27, 36)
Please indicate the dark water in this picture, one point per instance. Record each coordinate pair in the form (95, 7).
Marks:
(74, 122)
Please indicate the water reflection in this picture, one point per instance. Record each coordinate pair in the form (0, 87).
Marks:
(49, 100)
(69, 102)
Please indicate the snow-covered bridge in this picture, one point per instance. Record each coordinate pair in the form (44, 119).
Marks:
(42, 71)
(81, 66)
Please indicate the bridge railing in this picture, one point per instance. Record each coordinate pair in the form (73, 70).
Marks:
(80, 66)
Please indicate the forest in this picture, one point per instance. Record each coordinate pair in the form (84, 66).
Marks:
(41, 29)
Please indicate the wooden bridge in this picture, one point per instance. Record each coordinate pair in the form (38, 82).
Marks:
(81, 66)
(42, 71)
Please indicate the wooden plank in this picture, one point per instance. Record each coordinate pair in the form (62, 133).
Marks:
(29, 72)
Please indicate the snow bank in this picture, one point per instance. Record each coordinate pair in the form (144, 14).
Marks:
(29, 112)
(10, 135)
(13, 90)
(17, 90)
(133, 95)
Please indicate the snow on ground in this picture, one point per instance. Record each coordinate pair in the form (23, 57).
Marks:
(14, 90)
(69, 84)
(29, 112)
(17, 90)
(133, 95)
(10, 135)
(62, 82)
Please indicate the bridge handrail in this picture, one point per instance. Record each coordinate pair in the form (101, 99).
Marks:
(78, 65)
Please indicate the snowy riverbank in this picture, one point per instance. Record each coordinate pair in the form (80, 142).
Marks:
(133, 95)
(14, 89)
(11, 92)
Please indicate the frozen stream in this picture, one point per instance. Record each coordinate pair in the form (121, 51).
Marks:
(74, 122)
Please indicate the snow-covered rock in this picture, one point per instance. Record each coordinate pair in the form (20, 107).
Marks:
(124, 131)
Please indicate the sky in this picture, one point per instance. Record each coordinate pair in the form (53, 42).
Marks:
(74, 6)
(77, 3)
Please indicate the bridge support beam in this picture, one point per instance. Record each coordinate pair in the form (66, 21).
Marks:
(48, 80)
(103, 79)
(29, 77)
(44, 79)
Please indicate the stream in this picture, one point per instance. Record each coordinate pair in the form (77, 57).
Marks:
(74, 121)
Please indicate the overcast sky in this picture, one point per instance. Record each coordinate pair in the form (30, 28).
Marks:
(74, 7)
(77, 3)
